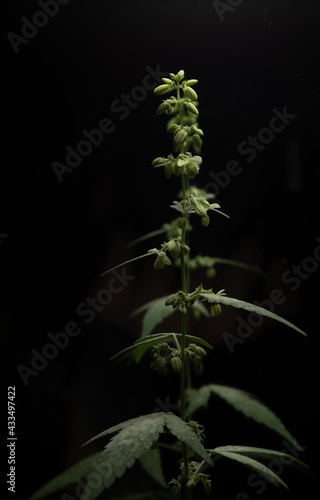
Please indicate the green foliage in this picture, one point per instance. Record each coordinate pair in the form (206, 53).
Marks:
(240, 304)
(243, 402)
(155, 312)
(69, 476)
(139, 438)
(143, 344)
(249, 462)
(258, 453)
(152, 464)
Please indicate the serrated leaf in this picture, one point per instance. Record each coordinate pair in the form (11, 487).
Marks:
(69, 476)
(244, 402)
(143, 344)
(261, 453)
(123, 425)
(253, 464)
(152, 464)
(156, 312)
(184, 433)
(240, 304)
(133, 439)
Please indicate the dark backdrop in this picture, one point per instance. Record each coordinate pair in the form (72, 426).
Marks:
(86, 66)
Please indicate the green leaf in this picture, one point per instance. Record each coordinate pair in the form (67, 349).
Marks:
(135, 436)
(261, 453)
(184, 433)
(71, 475)
(244, 402)
(132, 422)
(143, 344)
(240, 304)
(235, 263)
(152, 464)
(253, 464)
(127, 262)
(164, 229)
(156, 312)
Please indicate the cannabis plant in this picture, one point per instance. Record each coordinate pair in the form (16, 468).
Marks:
(180, 353)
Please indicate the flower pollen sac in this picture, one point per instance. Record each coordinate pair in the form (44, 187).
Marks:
(190, 93)
(162, 89)
(215, 310)
(176, 364)
(191, 107)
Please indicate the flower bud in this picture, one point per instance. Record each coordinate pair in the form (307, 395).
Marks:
(197, 365)
(191, 82)
(180, 75)
(205, 221)
(176, 364)
(200, 351)
(179, 138)
(196, 142)
(215, 310)
(157, 161)
(201, 210)
(182, 223)
(167, 80)
(168, 170)
(190, 93)
(158, 264)
(191, 107)
(172, 128)
(192, 170)
(162, 89)
(173, 249)
(161, 109)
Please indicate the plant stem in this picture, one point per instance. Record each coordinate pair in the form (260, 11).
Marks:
(186, 492)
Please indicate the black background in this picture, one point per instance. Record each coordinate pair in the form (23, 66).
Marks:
(57, 237)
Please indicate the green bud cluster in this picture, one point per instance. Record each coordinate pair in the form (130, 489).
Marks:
(196, 355)
(194, 477)
(197, 428)
(186, 133)
(174, 246)
(183, 164)
(162, 260)
(165, 357)
(195, 204)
